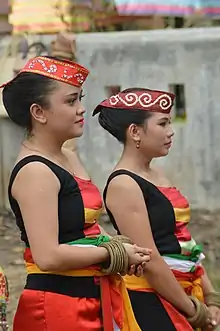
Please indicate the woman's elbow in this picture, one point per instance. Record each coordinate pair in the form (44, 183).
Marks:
(155, 263)
(47, 263)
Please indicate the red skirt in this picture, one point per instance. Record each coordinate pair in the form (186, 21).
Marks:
(45, 311)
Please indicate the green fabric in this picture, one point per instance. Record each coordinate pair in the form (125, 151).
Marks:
(188, 245)
(194, 256)
(96, 241)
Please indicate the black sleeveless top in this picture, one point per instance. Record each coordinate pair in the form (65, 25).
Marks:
(71, 215)
(160, 211)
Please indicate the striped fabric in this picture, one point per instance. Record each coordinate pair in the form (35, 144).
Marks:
(92, 205)
(116, 306)
(189, 249)
(167, 7)
(186, 268)
(40, 16)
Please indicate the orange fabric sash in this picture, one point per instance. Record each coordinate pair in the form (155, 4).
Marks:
(190, 282)
(114, 295)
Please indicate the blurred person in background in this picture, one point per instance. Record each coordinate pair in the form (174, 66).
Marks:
(4, 296)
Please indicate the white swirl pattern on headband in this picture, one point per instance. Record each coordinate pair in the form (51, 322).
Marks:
(52, 68)
(145, 100)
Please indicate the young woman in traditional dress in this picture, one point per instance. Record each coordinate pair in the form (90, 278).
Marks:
(73, 280)
(143, 205)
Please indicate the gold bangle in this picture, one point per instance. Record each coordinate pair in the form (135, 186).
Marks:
(123, 239)
(201, 316)
(118, 258)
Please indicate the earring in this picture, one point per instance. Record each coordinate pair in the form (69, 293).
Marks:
(138, 144)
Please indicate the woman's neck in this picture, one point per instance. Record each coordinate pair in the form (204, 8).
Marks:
(45, 143)
(135, 161)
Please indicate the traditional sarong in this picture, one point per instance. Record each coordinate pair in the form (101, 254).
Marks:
(186, 267)
(77, 295)
(81, 300)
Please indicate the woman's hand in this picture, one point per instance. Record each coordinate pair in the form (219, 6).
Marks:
(138, 271)
(138, 257)
(214, 318)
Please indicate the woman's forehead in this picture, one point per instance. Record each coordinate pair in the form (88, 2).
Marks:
(67, 89)
(160, 116)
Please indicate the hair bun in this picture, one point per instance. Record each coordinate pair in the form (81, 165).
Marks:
(64, 46)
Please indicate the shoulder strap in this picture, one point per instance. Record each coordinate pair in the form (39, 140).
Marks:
(119, 172)
(33, 158)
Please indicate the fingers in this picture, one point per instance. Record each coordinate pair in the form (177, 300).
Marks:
(139, 271)
(214, 319)
(141, 250)
(131, 271)
(211, 323)
(143, 258)
(136, 270)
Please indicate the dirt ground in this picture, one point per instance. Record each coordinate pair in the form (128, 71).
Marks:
(12, 261)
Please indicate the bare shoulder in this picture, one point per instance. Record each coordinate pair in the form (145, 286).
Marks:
(34, 175)
(33, 169)
(124, 194)
(123, 181)
(124, 189)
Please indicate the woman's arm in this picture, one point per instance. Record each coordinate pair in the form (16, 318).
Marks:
(131, 215)
(36, 190)
(206, 283)
(214, 310)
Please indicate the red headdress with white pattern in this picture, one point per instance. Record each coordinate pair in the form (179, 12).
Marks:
(65, 71)
(147, 100)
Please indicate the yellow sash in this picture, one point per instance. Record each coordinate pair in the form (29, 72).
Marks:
(116, 281)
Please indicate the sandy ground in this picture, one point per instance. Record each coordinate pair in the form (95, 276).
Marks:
(11, 260)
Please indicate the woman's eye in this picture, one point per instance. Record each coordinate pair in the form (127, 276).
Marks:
(81, 96)
(163, 124)
(71, 102)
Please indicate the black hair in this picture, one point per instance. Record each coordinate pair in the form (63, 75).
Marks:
(24, 90)
(117, 121)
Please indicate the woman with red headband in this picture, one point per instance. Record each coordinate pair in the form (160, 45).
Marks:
(170, 294)
(73, 280)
